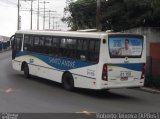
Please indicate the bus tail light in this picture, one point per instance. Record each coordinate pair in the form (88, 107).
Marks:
(143, 71)
(105, 72)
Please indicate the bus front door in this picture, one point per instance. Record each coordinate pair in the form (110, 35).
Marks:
(16, 42)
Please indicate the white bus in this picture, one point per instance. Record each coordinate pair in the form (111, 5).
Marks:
(79, 59)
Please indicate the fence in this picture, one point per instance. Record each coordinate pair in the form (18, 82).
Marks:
(4, 45)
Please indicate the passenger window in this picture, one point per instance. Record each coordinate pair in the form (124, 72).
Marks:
(31, 39)
(63, 43)
(48, 41)
(55, 42)
(97, 46)
(18, 42)
(79, 44)
(91, 45)
(68, 47)
(48, 45)
(36, 41)
(41, 41)
(85, 44)
(82, 47)
(26, 45)
(94, 47)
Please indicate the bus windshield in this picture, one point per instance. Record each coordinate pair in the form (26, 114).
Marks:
(121, 46)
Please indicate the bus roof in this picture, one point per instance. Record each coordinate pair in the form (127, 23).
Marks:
(69, 33)
(63, 33)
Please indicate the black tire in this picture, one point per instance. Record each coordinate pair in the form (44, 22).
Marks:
(26, 71)
(68, 82)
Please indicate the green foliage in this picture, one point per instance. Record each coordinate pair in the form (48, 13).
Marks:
(156, 12)
(117, 15)
(81, 14)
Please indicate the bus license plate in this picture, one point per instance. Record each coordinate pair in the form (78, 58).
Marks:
(124, 75)
(124, 78)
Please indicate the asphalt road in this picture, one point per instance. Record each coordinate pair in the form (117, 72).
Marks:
(18, 94)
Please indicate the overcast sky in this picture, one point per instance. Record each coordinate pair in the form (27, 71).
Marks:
(8, 15)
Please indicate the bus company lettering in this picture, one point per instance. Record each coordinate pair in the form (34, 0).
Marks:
(62, 62)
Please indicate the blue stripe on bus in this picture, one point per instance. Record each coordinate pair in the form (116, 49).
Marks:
(61, 63)
(131, 66)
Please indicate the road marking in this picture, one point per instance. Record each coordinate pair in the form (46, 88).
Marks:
(86, 112)
(8, 90)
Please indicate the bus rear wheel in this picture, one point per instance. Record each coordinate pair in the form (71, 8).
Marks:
(26, 71)
(68, 82)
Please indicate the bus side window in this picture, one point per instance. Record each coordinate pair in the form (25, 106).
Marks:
(79, 44)
(71, 47)
(91, 50)
(55, 45)
(63, 47)
(93, 54)
(36, 44)
(82, 46)
(97, 46)
(41, 44)
(48, 45)
(18, 42)
(97, 50)
(26, 45)
(31, 41)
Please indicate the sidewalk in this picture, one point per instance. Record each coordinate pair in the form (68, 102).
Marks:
(4, 50)
(151, 90)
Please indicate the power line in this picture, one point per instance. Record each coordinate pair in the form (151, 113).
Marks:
(38, 16)
(18, 27)
(31, 9)
(44, 2)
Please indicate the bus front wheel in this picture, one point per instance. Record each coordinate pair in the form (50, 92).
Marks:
(26, 71)
(68, 82)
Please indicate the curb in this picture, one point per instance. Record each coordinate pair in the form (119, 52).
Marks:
(151, 90)
(5, 50)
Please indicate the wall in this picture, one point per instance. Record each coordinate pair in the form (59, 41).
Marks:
(153, 53)
(152, 35)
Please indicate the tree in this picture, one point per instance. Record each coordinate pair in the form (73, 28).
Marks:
(117, 15)
(156, 12)
(80, 14)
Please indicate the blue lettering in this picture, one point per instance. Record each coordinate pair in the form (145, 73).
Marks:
(62, 62)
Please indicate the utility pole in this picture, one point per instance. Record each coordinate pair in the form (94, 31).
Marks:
(98, 16)
(53, 23)
(56, 25)
(18, 17)
(54, 20)
(44, 2)
(31, 12)
(38, 16)
(48, 16)
(49, 19)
